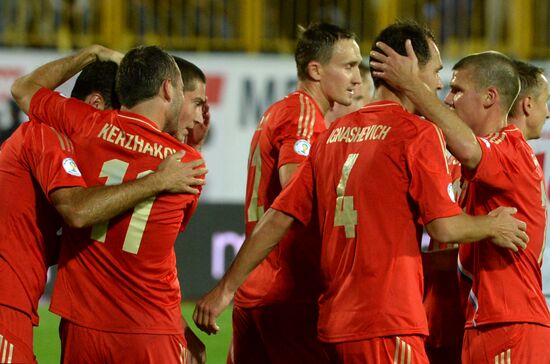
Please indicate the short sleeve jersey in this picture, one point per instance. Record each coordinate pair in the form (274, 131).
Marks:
(441, 292)
(505, 286)
(34, 161)
(370, 182)
(119, 276)
(284, 135)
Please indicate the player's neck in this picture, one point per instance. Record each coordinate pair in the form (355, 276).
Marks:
(313, 89)
(520, 122)
(382, 93)
(150, 110)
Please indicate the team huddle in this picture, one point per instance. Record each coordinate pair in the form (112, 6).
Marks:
(343, 176)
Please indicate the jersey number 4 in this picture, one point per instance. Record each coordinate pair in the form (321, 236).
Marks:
(345, 215)
(115, 170)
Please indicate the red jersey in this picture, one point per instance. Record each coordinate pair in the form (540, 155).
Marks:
(119, 276)
(505, 286)
(369, 182)
(34, 162)
(441, 293)
(284, 135)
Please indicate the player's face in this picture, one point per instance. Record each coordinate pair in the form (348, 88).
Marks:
(464, 98)
(429, 73)
(539, 112)
(340, 75)
(191, 111)
(361, 96)
(174, 110)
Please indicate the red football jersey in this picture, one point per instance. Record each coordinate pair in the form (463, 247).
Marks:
(370, 181)
(441, 293)
(34, 161)
(284, 135)
(119, 276)
(505, 286)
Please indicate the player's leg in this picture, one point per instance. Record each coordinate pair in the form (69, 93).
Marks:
(503, 344)
(247, 346)
(294, 328)
(384, 350)
(15, 337)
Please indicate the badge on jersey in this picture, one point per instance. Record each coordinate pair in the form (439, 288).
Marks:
(70, 167)
(451, 192)
(302, 147)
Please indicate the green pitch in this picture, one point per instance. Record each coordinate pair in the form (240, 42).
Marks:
(47, 346)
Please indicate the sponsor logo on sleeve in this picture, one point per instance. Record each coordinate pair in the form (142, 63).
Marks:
(302, 147)
(70, 167)
(451, 192)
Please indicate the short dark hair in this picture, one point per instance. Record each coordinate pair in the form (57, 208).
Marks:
(316, 43)
(98, 77)
(190, 74)
(494, 69)
(141, 73)
(395, 36)
(530, 82)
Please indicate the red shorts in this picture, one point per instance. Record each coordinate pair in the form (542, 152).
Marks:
(276, 334)
(406, 349)
(506, 344)
(83, 345)
(15, 336)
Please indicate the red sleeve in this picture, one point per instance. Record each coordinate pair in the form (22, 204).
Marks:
(64, 114)
(51, 159)
(496, 166)
(299, 127)
(296, 199)
(431, 186)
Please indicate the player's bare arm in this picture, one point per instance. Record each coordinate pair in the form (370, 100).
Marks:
(53, 74)
(266, 235)
(82, 207)
(402, 73)
(195, 346)
(499, 225)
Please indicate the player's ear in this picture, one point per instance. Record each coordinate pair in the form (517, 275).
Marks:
(314, 70)
(527, 105)
(96, 100)
(166, 90)
(491, 96)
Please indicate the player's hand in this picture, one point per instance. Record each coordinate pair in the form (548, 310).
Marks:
(179, 177)
(195, 347)
(509, 232)
(106, 54)
(209, 307)
(399, 71)
(197, 135)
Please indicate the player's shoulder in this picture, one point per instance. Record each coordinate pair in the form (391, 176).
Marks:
(508, 135)
(191, 153)
(295, 105)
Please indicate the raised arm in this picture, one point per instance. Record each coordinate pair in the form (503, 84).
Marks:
(82, 207)
(402, 73)
(265, 236)
(55, 73)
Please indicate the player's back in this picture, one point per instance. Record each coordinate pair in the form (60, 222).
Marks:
(28, 240)
(379, 173)
(125, 268)
(283, 136)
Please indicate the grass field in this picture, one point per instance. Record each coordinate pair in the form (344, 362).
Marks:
(47, 346)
